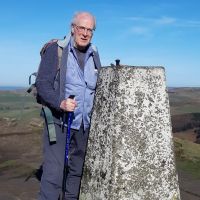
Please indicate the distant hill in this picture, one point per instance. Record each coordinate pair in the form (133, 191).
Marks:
(184, 100)
(185, 111)
(18, 106)
(11, 88)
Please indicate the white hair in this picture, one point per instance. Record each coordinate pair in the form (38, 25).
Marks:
(77, 14)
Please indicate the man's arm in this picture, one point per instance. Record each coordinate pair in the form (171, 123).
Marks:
(46, 78)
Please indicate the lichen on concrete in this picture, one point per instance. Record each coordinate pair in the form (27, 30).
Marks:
(130, 150)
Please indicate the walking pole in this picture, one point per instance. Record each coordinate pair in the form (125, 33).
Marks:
(65, 170)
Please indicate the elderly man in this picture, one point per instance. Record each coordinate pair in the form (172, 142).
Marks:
(77, 75)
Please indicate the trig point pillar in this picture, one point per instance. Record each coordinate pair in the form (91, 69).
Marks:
(130, 149)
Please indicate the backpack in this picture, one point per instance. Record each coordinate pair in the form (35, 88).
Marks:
(61, 44)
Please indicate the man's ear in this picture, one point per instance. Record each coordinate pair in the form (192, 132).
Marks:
(72, 28)
(72, 31)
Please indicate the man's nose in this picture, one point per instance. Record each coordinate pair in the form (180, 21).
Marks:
(85, 32)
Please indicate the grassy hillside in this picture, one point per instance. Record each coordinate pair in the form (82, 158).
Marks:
(187, 156)
(185, 115)
(18, 109)
(184, 100)
(12, 103)
(20, 129)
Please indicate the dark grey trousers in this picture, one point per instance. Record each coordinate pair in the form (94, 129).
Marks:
(53, 163)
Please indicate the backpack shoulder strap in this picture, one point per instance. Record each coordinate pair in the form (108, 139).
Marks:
(60, 50)
(61, 45)
(64, 42)
(96, 58)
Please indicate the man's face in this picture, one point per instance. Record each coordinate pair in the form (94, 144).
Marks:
(83, 31)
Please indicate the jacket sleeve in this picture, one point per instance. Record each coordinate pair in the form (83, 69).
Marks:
(47, 73)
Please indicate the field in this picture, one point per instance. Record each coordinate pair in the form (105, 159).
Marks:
(21, 136)
(185, 116)
(184, 100)
(20, 146)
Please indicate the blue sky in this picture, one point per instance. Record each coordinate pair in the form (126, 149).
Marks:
(140, 33)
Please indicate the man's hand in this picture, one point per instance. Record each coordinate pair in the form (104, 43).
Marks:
(68, 105)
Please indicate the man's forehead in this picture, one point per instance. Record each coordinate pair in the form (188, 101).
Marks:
(88, 17)
(85, 20)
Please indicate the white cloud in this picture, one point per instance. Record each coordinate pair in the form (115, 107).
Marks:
(139, 30)
(164, 20)
(189, 23)
(143, 26)
(160, 20)
(134, 18)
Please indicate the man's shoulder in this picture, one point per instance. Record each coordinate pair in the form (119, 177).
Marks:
(94, 48)
(64, 42)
